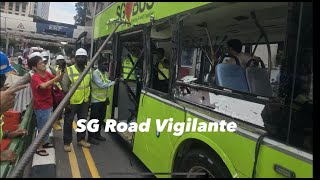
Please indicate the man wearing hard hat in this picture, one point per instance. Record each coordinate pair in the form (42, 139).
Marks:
(45, 57)
(60, 65)
(46, 61)
(79, 102)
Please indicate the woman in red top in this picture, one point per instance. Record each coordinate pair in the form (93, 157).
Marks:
(41, 86)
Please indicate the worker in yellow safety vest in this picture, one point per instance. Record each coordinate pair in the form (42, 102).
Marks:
(99, 98)
(60, 65)
(127, 64)
(79, 101)
(163, 65)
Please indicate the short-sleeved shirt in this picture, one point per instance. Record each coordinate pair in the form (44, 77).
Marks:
(243, 59)
(42, 97)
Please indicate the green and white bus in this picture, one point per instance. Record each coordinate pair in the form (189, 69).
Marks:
(271, 100)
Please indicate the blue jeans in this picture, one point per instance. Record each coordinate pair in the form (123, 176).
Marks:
(42, 116)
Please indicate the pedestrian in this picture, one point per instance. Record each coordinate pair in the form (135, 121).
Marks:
(21, 105)
(79, 102)
(26, 78)
(41, 86)
(67, 108)
(19, 67)
(71, 61)
(99, 98)
(60, 65)
(46, 61)
(7, 96)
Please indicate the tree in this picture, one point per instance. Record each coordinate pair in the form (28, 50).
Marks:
(81, 8)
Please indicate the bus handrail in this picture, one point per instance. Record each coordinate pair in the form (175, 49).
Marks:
(263, 33)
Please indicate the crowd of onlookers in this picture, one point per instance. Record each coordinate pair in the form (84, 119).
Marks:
(27, 79)
(44, 80)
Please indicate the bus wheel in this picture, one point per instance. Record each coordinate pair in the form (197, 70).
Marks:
(202, 163)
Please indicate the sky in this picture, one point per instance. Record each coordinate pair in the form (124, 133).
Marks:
(62, 12)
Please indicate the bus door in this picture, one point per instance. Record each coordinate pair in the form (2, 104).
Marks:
(129, 70)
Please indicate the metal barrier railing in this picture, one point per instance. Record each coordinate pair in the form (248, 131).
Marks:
(19, 168)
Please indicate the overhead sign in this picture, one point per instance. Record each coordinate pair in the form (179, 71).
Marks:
(20, 26)
(54, 29)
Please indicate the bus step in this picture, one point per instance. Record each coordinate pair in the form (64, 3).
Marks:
(127, 136)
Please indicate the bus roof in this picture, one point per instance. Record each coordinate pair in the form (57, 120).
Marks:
(138, 13)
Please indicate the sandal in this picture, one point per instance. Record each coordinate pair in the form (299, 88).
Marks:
(42, 152)
(47, 145)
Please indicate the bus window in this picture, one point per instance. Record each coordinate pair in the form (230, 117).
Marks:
(189, 64)
(276, 58)
(161, 56)
(262, 52)
(246, 106)
(253, 74)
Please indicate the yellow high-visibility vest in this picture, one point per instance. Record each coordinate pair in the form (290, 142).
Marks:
(1, 123)
(299, 101)
(98, 93)
(164, 70)
(127, 66)
(57, 83)
(83, 91)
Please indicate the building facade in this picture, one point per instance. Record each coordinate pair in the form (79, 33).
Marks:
(16, 8)
(40, 9)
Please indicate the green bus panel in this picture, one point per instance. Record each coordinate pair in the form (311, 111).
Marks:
(237, 151)
(138, 13)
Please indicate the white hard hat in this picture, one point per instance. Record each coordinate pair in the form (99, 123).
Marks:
(34, 54)
(44, 53)
(81, 52)
(60, 57)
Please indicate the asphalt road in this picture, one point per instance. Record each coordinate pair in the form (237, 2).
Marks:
(111, 158)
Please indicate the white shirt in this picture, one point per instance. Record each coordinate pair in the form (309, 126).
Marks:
(243, 59)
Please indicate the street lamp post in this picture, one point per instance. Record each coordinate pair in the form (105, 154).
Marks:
(7, 38)
(92, 15)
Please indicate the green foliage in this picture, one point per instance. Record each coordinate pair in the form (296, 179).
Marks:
(80, 18)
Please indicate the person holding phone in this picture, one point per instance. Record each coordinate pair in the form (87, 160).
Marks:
(61, 65)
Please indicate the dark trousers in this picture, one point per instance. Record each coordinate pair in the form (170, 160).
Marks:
(82, 112)
(98, 111)
(60, 115)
